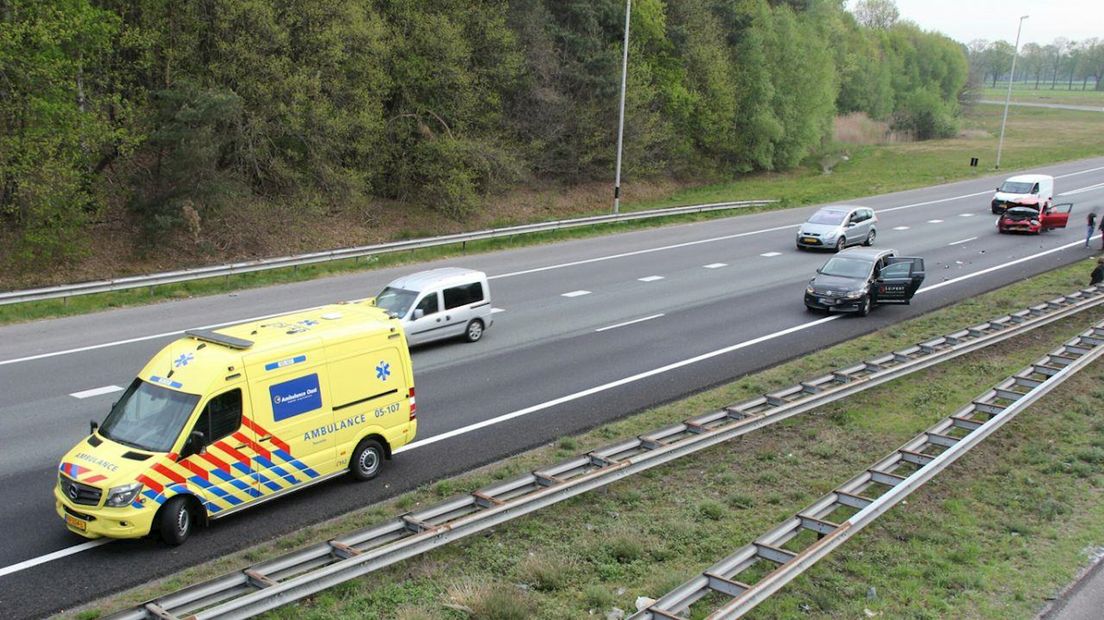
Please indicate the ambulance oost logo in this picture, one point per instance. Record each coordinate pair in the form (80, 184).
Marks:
(183, 359)
(383, 371)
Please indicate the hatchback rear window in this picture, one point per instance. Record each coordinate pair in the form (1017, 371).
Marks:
(463, 295)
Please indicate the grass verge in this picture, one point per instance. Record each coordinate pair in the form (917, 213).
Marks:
(1034, 137)
(991, 537)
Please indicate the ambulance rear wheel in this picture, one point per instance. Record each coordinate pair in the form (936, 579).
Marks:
(474, 331)
(367, 460)
(175, 521)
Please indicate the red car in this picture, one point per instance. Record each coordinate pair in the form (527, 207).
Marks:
(1026, 218)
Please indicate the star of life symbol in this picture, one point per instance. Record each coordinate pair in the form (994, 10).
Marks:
(183, 360)
(383, 371)
(308, 322)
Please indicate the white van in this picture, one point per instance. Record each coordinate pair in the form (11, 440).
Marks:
(1024, 189)
(441, 303)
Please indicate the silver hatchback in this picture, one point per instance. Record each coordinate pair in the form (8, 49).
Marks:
(837, 227)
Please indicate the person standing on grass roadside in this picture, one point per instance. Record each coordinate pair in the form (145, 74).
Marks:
(1102, 231)
(1092, 227)
(1097, 274)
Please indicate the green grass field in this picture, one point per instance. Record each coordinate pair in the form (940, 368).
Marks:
(1027, 93)
(992, 537)
(1034, 137)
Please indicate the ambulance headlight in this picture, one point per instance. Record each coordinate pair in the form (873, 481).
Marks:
(121, 496)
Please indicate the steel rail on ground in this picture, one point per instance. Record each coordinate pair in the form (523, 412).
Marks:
(798, 543)
(272, 583)
(200, 273)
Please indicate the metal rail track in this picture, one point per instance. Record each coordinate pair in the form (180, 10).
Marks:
(799, 542)
(200, 273)
(275, 582)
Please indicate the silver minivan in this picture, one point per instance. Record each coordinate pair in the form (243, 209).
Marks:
(440, 303)
(837, 227)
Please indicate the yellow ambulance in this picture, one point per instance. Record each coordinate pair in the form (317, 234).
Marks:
(224, 419)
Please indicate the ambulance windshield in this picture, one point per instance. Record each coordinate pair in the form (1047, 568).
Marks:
(395, 301)
(148, 417)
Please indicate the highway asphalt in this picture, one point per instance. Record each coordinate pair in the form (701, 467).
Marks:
(588, 331)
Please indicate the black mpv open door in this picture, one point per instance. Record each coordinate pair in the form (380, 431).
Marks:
(899, 279)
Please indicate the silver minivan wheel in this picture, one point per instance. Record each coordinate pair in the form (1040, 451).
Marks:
(842, 243)
(474, 331)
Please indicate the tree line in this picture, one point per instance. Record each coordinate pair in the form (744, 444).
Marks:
(1063, 62)
(174, 111)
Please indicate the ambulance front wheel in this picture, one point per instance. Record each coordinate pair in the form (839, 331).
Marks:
(175, 521)
(367, 460)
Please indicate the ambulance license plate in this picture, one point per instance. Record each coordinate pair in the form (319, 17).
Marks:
(75, 522)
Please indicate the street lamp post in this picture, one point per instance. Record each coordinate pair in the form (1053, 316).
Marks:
(1008, 95)
(621, 118)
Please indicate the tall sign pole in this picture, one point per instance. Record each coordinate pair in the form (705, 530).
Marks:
(621, 119)
(1008, 95)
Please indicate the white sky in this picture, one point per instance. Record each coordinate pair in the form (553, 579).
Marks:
(966, 20)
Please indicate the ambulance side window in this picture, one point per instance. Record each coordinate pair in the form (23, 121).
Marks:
(221, 416)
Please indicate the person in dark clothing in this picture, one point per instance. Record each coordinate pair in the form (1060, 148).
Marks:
(1102, 230)
(1092, 227)
(1097, 274)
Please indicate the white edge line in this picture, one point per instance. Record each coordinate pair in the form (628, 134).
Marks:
(608, 386)
(50, 557)
(632, 322)
(962, 241)
(577, 395)
(144, 338)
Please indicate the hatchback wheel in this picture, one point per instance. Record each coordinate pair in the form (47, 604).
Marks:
(870, 238)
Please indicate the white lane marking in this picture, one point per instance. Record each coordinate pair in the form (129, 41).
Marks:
(49, 557)
(1083, 189)
(935, 221)
(932, 202)
(715, 265)
(612, 384)
(519, 273)
(107, 389)
(900, 228)
(1002, 266)
(650, 278)
(961, 241)
(647, 318)
(965, 215)
(496, 310)
(144, 338)
(770, 254)
(577, 395)
(575, 294)
(1073, 174)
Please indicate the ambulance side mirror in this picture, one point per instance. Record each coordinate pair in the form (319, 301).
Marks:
(196, 444)
(93, 425)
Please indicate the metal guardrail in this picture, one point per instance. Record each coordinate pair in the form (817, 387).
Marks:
(799, 542)
(200, 273)
(275, 582)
